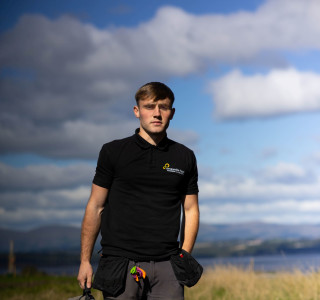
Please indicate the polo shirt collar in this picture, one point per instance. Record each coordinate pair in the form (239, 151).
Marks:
(145, 145)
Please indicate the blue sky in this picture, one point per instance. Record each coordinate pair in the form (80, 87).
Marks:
(246, 75)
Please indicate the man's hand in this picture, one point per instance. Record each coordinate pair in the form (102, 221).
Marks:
(85, 275)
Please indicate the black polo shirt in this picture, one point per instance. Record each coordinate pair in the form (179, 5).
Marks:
(146, 183)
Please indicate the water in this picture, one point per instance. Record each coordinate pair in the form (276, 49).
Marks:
(267, 263)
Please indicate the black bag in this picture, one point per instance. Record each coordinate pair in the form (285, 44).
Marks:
(111, 275)
(85, 296)
(187, 270)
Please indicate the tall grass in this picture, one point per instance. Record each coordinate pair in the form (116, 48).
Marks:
(234, 283)
(218, 283)
(40, 287)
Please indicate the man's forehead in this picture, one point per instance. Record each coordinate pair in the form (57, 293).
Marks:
(155, 100)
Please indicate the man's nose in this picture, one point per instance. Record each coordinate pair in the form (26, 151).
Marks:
(156, 111)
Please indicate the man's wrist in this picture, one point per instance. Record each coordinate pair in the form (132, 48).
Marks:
(187, 248)
(85, 260)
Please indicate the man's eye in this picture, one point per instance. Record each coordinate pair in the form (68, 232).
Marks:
(164, 107)
(149, 106)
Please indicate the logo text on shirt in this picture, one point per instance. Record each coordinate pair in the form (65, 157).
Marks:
(172, 170)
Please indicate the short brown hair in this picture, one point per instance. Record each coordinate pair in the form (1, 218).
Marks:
(155, 90)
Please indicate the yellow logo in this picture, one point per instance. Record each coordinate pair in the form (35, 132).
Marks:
(166, 166)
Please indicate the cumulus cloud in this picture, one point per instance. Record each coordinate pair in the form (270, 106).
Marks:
(42, 177)
(250, 188)
(60, 73)
(287, 173)
(27, 218)
(71, 139)
(46, 199)
(27, 209)
(282, 193)
(239, 37)
(67, 87)
(286, 211)
(279, 92)
(280, 181)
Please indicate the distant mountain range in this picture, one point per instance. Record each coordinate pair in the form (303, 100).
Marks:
(66, 238)
(257, 230)
(47, 238)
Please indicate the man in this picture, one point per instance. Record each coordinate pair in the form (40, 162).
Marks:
(140, 184)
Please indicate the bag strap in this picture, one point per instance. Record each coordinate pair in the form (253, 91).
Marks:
(87, 293)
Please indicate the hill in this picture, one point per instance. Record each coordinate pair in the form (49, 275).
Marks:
(67, 238)
(47, 238)
(257, 230)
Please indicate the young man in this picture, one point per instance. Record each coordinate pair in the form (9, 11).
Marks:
(141, 182)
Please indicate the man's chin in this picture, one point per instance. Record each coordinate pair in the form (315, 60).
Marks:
(156, 131)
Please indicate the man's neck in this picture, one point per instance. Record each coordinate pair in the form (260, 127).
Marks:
(153, 139)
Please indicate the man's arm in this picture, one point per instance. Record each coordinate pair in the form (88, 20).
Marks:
(89, 232)
(190, 222)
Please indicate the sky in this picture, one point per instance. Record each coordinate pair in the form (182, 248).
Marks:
(246, 77)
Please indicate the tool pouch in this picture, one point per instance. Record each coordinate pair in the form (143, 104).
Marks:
(187, 270)
(111, 275)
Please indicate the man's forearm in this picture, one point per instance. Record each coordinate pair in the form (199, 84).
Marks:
(190, 228)
(89, 232)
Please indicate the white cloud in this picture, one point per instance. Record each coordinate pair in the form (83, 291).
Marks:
(71, 139)
(48, 194)
(284, 211)
(250, 189)
(46, 199)
(43, 177)
(26, 209)
(239, 37)
(286, 173)
(27, 218)
(280, 181)
(61, 71)
(68, 87)
(281, 193)
(279, 92)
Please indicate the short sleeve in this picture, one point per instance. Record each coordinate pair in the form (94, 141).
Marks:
(104, 170)
(192, 181)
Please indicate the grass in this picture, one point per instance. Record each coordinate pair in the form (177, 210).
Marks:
(40, 287)
(234, 283)
(218, 283)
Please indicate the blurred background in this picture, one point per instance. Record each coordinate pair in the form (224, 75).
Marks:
(246, 76)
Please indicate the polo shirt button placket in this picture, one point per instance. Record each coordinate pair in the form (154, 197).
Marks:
(152, 156)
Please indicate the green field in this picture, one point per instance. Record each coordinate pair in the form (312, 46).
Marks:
(218, 283)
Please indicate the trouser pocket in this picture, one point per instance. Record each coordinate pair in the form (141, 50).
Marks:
(187, 270)
(111, 275)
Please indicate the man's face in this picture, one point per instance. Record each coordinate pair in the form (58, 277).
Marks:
(154, 116)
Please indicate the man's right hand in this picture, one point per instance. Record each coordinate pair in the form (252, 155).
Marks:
(85, 275)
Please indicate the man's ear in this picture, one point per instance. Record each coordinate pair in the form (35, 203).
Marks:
(136, 111)
(173, 110)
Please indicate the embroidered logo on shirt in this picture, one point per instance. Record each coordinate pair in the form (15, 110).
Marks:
(172, 170)
(166, 166)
